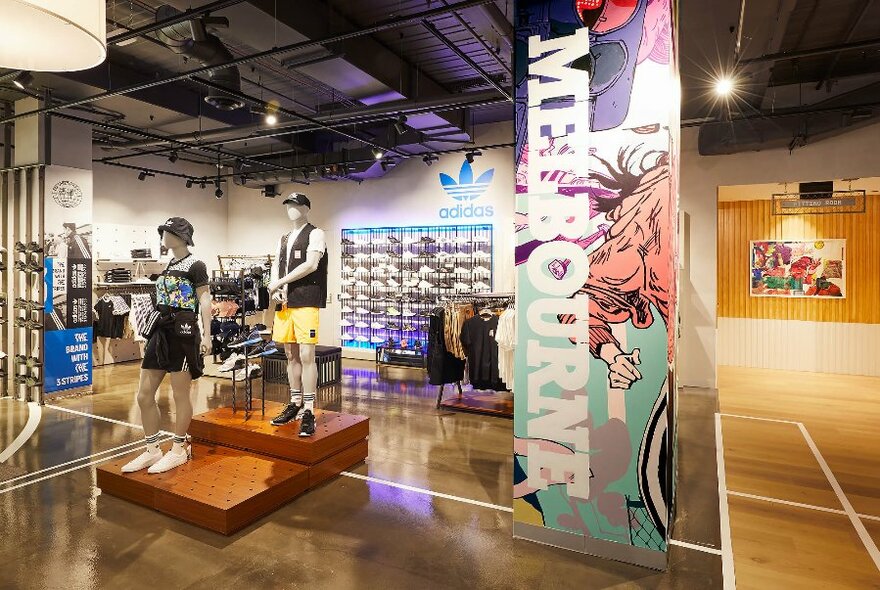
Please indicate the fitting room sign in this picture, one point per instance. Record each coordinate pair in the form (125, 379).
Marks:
(68, 262)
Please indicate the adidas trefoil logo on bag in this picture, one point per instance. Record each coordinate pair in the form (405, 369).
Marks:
(186, 330)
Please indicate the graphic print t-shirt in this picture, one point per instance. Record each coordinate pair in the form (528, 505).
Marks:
(176, 287)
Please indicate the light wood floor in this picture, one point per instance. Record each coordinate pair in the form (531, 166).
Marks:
(789, 527)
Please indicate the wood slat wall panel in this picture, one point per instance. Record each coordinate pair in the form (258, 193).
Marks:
(740, 222)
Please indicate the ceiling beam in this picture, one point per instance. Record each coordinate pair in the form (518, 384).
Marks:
(857, 19)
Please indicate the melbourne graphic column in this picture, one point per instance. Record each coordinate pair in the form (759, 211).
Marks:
(68, 260)
(596, 98)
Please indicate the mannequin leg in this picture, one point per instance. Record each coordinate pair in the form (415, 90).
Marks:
(309, 374)
(294, 366)
(181, 386)
(146, 399)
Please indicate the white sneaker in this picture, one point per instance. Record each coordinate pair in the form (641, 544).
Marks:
(378, 255)
(362, 310)
(392, 269)
(361, 325)
(377, 326)
(170, 460)
(425, 285)
(361, 256)
(460, 240)
(346, 337)
(377, 340)
(482, 270)
(441, 256)
(377, 271)
(244, 374)
(409, 255)
(361, 284)
(142, 461)
(425, 270)
(345, 295)
(343, 323)
(481, 286)
(361, 270)
(393, 284)
(362, 297)
(348, 281)
(377, 283)
(346, 309)
(411, 283)
(462, 287)
(461, 255)
(347, 269)
(230, 362)
(408, 313)
(459, 270)
(362, 339)
(480, 255)
(392, 311)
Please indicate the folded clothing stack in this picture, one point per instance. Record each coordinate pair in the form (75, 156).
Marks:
(117, 275)
(141, 253)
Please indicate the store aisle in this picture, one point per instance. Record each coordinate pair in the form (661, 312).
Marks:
(349, 533)
(803, 477)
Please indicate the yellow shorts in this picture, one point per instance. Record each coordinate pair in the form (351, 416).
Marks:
(297, 325)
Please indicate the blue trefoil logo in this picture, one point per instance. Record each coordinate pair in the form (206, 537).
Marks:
(466, 188)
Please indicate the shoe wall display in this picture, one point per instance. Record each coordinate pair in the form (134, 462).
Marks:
(405, 272)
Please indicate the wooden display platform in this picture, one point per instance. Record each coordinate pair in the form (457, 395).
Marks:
(481, 402)
(243, 467)
(220, 489)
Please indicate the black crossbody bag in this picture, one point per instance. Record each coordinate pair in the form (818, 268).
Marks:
(184, 321)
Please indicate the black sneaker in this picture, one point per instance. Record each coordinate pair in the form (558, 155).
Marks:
(307, 425)
(347, 242)
(393, 240)
(426, 240)
(287, 414)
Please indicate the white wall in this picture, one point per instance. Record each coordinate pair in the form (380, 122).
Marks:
(122, 199)
(409, 194)
(854, 154)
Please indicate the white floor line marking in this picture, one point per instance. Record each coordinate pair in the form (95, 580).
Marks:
(869, 517)
(401, 486)
(35, 413)
(727, 566)
(844, 501)
(760, 419)
(695, 547)
(87, 415)
(54, 467)
(51, 475)
(786, 502)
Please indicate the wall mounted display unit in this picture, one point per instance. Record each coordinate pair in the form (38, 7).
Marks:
(798, 268)
(393, 276)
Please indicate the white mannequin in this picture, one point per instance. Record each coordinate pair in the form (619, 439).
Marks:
(302, 370)
(181, 382)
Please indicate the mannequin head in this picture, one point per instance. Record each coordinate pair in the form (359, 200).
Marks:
(171, 241)
(297, 212)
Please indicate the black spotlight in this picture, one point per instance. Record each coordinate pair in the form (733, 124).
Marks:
(430, 159)
(142, 175)
(189, 183)
(172, 157)
(218, 193)
(243, 178)
(202, 183)
(400, 125)
(384, 166)
(471, 156)
(23, 80)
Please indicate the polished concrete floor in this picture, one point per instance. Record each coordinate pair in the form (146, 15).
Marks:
(57, 531)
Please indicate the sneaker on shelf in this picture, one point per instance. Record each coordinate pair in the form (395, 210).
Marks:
(288, 414)
(408, 255)
(360, 338)
(142, 461)
(347, 256)
(444, 270)
(377, 271)
(444, 285)
(392, 311)
(481, 270)
(269, 348)
(377, 326)
(347, 269)
(425, 285)
(481, 255)
(408, 313)
(409, 328)
(393, 326)
(460, 287)
(230, 363)
(393, 240)
(361, 325)
(377, 340)
(345, 295)
(347, 282)
(425, 270)
(362, 297)
(361, 270)
(441, 256)
(377, 283)
(361, 256)
(377, 311)
(426, 240)
(481, 286)
(170, 460)
(346, 242)
(362, 310)
(460, 240)
(411, 283)
(245, 339)
(307, 424)
(251, 372)
(460, 270)
(417, 345)
(393, 284)
(481, 240)
(361, 284)
(461, 256)
(346, 309)
(379, 255)
(345, 323)
(392, 269)
(346, 337)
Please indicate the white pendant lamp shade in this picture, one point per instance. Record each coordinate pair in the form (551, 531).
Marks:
(52, 35)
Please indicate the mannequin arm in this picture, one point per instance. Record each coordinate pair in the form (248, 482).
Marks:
(204, 295)
(304, 269)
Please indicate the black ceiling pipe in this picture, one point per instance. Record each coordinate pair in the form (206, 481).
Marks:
(378, 27)
(786, 55)
(173, 20)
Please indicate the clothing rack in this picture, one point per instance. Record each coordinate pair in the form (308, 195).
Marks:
(237, 262)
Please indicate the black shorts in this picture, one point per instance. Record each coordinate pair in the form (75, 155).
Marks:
(183, 354)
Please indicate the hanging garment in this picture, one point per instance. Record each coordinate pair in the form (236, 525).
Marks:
(456, 316)
(104, 312)
(478, 339)
(505, 336)
(120, 306)
(443, 367)
(142, 305)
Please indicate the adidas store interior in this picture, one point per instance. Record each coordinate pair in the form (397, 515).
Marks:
(456, 294)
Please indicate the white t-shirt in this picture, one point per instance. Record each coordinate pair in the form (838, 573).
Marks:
(317, 243)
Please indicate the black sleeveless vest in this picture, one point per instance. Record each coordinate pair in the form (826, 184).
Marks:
(310, 290)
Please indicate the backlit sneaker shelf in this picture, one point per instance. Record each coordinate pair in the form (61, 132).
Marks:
(392, 277)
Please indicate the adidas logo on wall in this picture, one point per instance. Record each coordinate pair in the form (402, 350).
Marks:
(467, 189)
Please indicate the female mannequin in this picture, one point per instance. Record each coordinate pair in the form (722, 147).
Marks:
(174, 345)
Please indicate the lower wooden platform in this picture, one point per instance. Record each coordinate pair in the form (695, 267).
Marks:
(220, 489)
(493, 403)
(243, 467)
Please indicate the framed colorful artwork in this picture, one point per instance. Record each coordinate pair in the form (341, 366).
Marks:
(802, 268)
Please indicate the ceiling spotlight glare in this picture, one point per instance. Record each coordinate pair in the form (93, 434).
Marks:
(172, 157)
(723, 86)
(23, 80)
(430, 159)
(471, 156)
(218, 193)
(378, 154)
(142, 175)
(271, 119)
(189, 183)
(400, 125)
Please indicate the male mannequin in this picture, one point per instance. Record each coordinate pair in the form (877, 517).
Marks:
(299, 287)
(174, 345)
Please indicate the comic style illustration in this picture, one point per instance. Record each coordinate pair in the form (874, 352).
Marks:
(630, 244)
(814, 268)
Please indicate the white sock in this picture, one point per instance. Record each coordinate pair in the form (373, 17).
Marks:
(152, 441)
(179, 445)
(296, 397)
(309, 401)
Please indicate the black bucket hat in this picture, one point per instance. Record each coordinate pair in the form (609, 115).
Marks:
(180, 227)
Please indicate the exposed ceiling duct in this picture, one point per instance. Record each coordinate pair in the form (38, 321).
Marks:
(192, 39)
